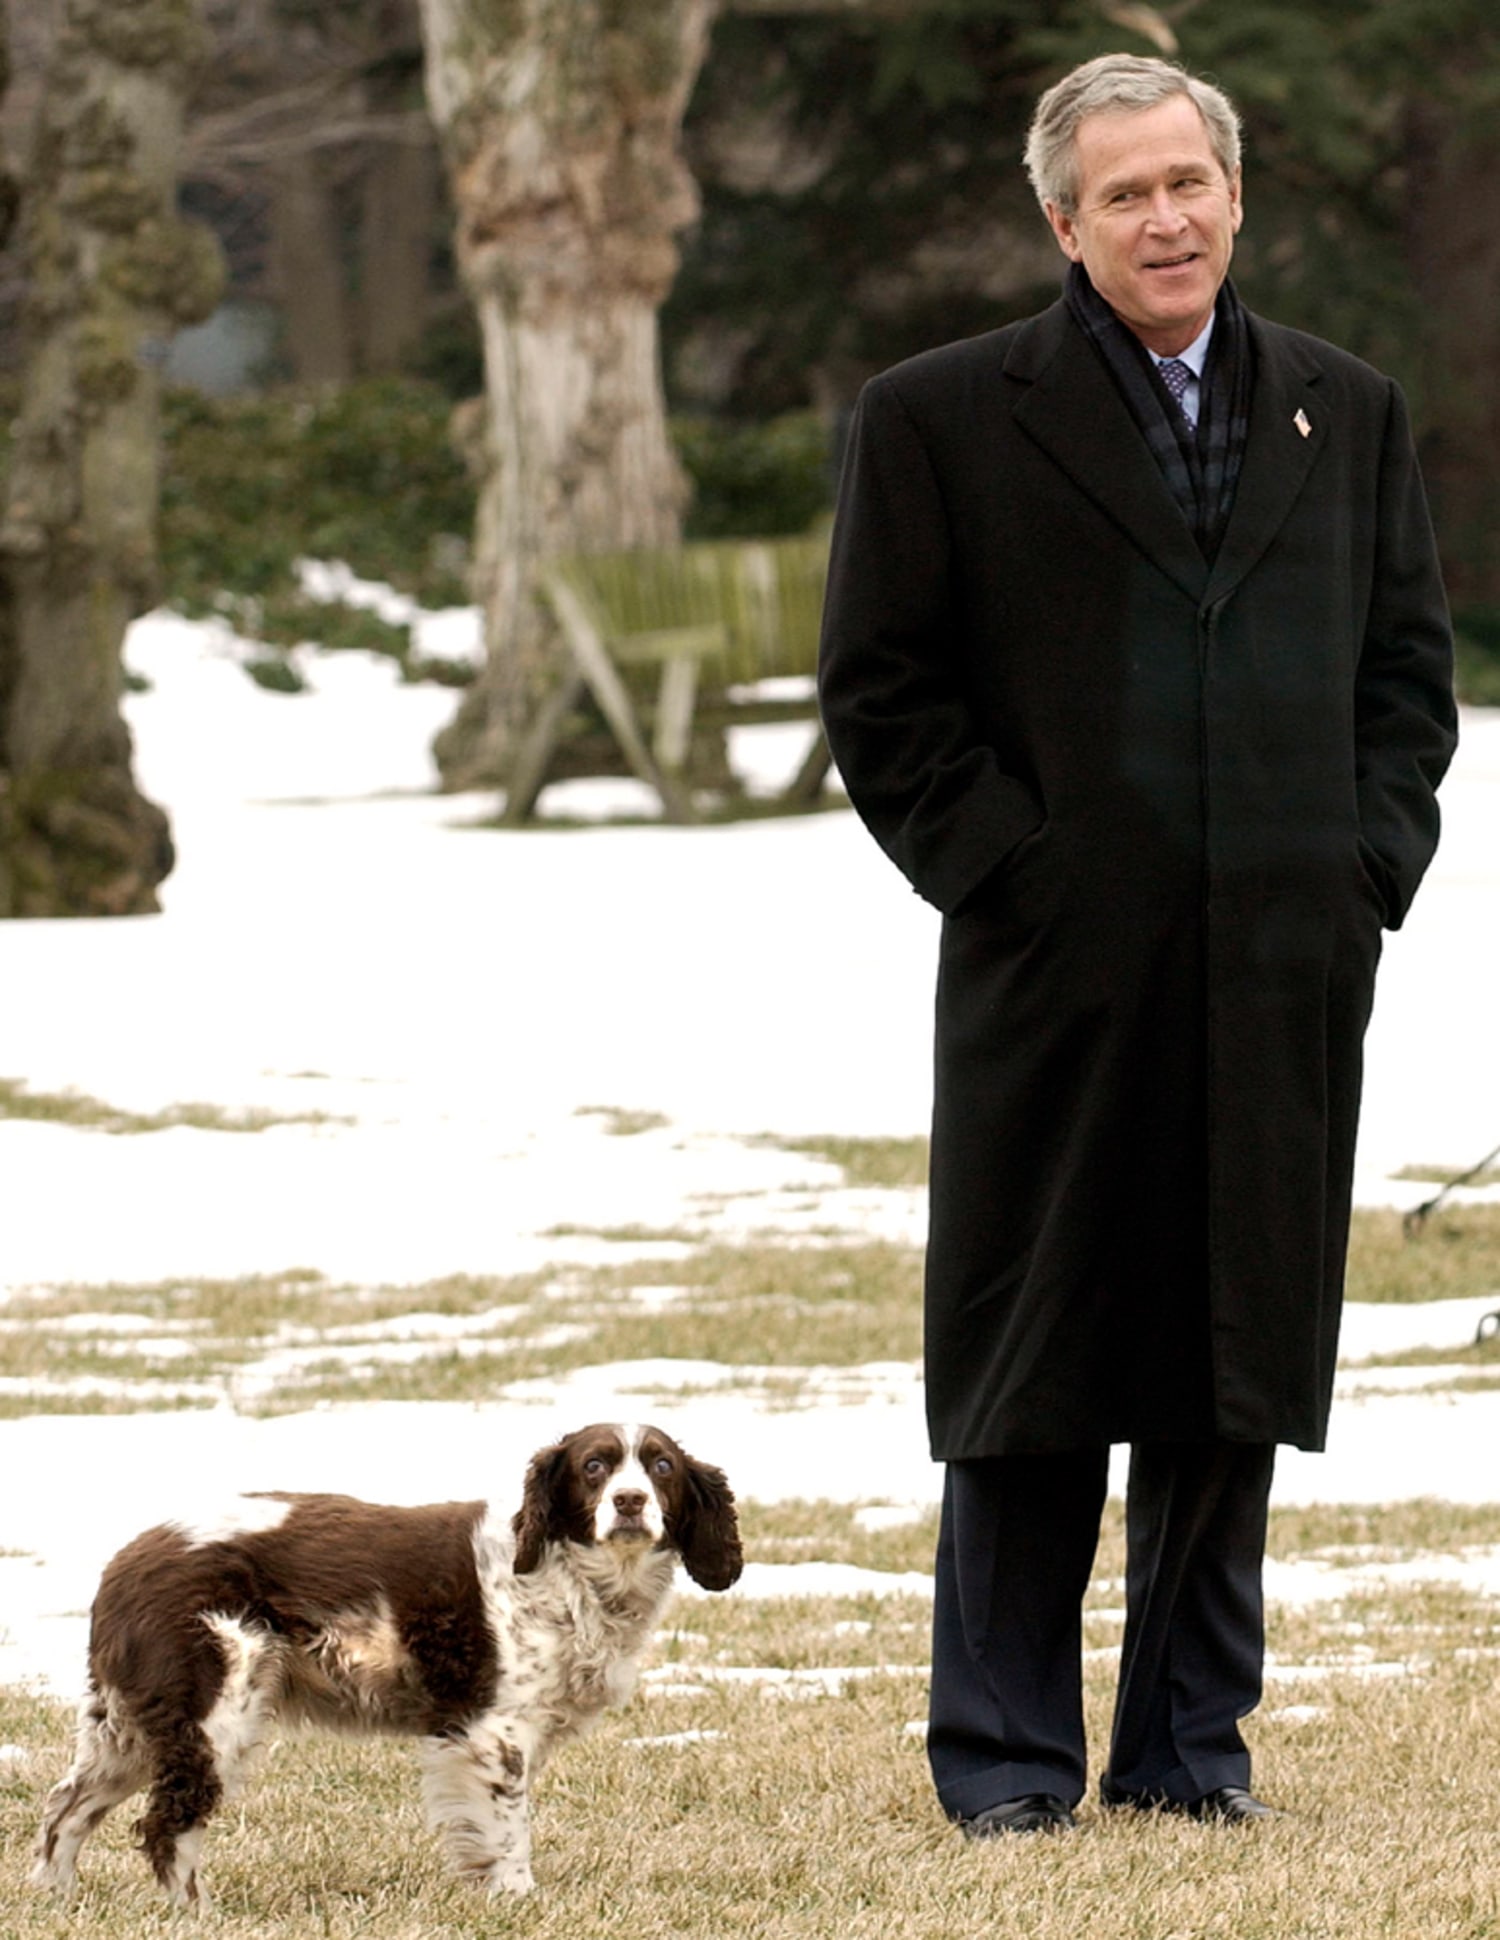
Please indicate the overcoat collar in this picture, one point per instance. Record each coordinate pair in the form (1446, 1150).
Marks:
(1072, 409)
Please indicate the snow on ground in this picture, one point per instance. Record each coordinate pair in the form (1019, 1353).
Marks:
(456, 1007)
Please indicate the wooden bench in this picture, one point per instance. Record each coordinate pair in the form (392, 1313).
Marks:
(664, 640)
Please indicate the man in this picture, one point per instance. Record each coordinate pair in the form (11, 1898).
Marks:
(1137, 663)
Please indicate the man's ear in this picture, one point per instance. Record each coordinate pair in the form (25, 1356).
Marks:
(1066, 231)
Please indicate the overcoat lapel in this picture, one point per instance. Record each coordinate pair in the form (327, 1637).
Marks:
(1288, 428)
(1145, 1099)
(1074, 412)
(1072, 409)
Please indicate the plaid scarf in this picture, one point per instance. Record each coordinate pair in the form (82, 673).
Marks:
(1201, 468)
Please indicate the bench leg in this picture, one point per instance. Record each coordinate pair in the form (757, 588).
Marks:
(674, 712)
(807, 784)
(594, 663)
(528, 775)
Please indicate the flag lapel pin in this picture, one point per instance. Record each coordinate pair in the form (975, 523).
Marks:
(1300, 420)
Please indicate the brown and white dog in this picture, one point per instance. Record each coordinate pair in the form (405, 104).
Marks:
(491, 1642)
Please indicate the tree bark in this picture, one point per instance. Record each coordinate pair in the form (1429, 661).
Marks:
(307, 270)
(9, 203)
(9, 194)
(560, 122)
(398, 222)
(1454, 255)
(110, 273)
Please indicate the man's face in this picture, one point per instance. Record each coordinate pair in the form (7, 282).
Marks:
(1156, 219)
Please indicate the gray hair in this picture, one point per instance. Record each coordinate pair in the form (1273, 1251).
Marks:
(1116, 84)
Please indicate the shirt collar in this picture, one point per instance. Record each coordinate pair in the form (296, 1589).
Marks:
(1196, 354)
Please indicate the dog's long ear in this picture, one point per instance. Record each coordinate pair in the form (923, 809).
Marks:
(707, 1535)
(534, 1521)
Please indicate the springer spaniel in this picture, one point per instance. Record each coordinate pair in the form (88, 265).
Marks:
(490, 1643)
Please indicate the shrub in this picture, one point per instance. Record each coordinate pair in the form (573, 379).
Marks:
(368, 474)
(365, 473)
(252, 483)
(754, 480)
(1476, 632)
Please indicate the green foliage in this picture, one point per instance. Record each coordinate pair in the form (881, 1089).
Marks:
(366, 474)
(915, 126)
(754, 480)
(276, 674)
(897, 129)
(1477, 655)
(450, 354)
(912, 58)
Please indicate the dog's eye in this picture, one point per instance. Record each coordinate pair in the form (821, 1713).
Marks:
(662, 1465)
(595, 1466)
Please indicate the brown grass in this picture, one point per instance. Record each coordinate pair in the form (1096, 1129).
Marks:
(1455, 1255)
(814, 1817)
(808, 1817)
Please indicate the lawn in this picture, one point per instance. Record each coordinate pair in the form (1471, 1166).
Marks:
(768, 1778)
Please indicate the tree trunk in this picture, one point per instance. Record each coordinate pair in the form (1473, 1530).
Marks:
(9, 200)
(307, 271)
(9, 195)
(398, 219)
(1454, 255)
(110, 273)
(560, 122)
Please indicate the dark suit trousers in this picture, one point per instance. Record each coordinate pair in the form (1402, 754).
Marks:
(1014, 1555)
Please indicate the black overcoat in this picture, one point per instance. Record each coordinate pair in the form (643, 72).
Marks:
(1165, 807)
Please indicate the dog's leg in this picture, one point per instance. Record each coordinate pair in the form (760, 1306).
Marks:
(182, 1880)
(108, 1765)
(184, 1792)
(199, 1766)
(246, 1708)
(475, 1789)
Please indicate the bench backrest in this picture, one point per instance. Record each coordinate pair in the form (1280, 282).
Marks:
(766, 594)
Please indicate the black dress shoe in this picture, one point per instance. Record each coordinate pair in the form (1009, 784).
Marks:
(1226, 1804)
(1037, 1812)
(1231, 1804)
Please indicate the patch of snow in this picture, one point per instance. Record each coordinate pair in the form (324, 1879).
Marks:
(457, 1003)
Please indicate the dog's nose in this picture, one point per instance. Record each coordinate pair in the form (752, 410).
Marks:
(630, 1502)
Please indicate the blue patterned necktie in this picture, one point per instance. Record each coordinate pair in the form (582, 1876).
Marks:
(1176, 375)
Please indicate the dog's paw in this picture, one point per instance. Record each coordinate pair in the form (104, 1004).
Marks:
(190, 1895)
(510, 1877)
(48, 1878)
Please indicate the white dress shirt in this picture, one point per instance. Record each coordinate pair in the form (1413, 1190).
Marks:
(1195, 357)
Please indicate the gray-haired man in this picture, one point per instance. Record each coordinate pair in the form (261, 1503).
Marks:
(1136, 662)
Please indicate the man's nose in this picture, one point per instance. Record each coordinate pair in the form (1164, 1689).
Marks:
(1163, 212)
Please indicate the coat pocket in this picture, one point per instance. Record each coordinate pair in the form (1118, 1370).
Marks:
(1375, 880)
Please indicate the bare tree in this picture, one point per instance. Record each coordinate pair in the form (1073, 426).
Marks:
(9, 198)
(9, 194)
(311, 125)
(560, 122)
(109, 272)
(1454, 254)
